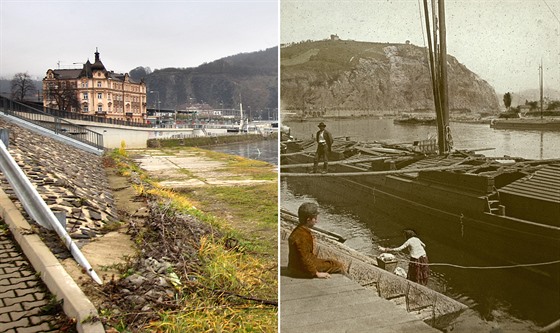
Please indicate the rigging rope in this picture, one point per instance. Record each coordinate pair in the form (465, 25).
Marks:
(488, 267)
(556, 17)
(422, 27)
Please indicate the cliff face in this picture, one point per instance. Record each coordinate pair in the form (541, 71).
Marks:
(343, 77)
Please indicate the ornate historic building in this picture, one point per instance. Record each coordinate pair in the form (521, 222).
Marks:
(93, 90)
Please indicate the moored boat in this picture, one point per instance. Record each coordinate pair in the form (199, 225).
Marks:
(415, 121)
(534, 124)
(508, 205)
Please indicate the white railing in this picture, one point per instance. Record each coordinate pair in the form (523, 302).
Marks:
(36, 207)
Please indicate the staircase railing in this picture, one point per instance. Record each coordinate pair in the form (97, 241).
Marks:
(50, 122)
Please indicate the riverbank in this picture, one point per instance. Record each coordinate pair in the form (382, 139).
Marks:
(203, 229)
(206, 141)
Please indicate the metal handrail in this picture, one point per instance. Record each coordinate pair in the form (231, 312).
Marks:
(36, 207)
(89, 117)
(51, 122)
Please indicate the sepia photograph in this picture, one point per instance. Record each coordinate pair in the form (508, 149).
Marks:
(139, 166)
(280, 166)
(419, 166)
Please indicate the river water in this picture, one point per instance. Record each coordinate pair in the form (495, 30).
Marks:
(265, 150)
(500, 300)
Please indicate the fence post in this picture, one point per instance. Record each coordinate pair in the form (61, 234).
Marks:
(5, 136)
(56, 125)
(61, 217)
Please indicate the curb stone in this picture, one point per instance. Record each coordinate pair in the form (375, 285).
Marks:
(58, 281)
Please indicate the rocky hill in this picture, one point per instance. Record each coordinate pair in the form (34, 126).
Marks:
(337, 77)
(251, 77)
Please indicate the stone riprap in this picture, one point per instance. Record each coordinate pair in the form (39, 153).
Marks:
(68, 179)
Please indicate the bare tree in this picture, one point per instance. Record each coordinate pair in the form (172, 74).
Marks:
(22, 86)
(64, 95)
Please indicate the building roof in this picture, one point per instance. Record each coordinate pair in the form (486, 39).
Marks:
(88, 69)
(97, 65)
(63, 74)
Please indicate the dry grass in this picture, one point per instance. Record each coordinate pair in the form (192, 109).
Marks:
(225, 276)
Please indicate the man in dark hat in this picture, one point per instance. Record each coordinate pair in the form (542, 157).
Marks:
(324, 142)
(302, 258)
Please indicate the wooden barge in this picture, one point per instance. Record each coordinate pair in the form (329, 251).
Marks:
(506, 209)
(532, 124)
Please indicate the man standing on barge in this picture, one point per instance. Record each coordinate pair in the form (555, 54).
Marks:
(324, 142)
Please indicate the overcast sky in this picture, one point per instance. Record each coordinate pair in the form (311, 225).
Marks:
(502, 41)
(37, 35)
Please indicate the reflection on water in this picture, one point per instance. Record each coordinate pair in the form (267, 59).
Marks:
(265, 150)
(504, 296)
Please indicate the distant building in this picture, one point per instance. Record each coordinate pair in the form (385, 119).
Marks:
(94, 90)
(335, 37)
(524, 108)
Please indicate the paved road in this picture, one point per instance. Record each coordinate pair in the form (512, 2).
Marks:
(23, 296)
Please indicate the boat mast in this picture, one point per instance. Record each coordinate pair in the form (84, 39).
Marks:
(240, 114)
(438, 71)
(541, 86)
(443, 132)
(431, 56)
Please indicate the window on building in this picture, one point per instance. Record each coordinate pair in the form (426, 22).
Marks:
(99, 95)
(86, 96)
(86, 108)
(98, 84)
(100, 108)
(109, 96)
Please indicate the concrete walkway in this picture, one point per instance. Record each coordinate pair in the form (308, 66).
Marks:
(338, 305)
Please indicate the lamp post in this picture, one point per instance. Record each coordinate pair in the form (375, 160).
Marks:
(157, 106)
(248, 118)
(541, 87)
